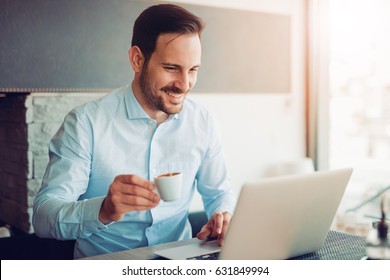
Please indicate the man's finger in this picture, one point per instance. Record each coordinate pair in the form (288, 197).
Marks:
(204, 232)
(225, 225)
(218, 222)
(135, 180)
(133, 190)
(136, 200)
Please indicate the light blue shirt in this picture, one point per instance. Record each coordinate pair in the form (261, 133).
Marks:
(111, 136)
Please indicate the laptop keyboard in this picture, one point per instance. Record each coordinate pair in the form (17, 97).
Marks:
(211, 256)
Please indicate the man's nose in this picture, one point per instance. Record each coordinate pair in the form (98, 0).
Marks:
(183, 82)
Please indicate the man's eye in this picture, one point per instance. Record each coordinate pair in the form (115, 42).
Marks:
(171, 69)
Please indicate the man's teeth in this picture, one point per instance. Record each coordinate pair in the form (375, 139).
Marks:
(173, 94)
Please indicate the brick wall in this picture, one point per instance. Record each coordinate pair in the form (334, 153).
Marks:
(27, 122)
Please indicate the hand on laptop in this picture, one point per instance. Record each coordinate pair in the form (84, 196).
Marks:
(216, 227)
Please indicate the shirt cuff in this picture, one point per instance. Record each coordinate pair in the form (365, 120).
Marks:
(91, 215)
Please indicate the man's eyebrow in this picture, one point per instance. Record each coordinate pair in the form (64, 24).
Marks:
(177, 65)
(171, 64)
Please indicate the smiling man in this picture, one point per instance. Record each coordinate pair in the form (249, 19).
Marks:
(98, 187)
(162, 82)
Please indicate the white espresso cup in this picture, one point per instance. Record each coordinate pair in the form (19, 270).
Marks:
(169, 185)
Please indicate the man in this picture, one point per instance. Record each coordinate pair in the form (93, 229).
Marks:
(97, 187)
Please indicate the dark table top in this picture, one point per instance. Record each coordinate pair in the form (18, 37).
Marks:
(338, 246)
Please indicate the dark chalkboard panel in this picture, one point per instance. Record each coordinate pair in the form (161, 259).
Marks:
(81, 45)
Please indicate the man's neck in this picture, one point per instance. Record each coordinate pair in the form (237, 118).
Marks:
(158, 116)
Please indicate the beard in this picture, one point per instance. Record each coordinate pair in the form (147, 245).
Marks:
(155, 99)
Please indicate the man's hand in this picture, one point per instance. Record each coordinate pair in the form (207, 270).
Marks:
(216, 227)
(127, 193)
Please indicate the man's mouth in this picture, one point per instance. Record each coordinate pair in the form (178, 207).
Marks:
(174, 96)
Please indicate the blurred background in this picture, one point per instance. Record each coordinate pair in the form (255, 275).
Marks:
(359, 100)
(296, 85)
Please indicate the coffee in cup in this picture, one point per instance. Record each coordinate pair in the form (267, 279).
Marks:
(169, 185)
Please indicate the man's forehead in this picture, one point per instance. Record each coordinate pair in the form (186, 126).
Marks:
(167, 38)
(179, 49)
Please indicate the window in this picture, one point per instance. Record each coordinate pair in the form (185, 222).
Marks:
(359, 97)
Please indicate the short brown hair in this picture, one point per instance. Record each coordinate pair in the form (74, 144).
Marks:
(160, 19)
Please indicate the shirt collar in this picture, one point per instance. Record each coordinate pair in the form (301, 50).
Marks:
(135, 110)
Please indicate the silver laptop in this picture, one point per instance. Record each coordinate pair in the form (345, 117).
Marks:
(277, 218)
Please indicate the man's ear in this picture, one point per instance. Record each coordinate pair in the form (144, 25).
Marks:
(136, 58)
